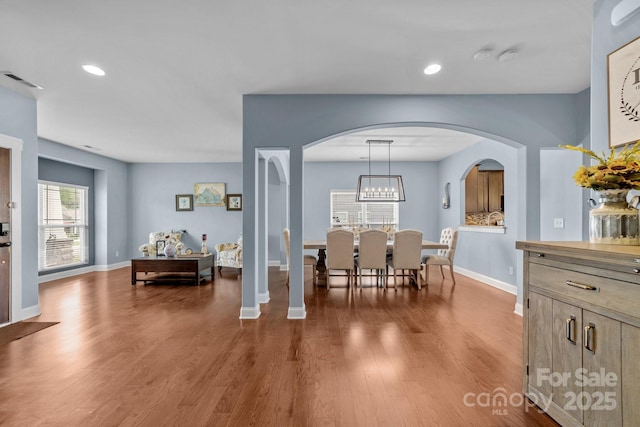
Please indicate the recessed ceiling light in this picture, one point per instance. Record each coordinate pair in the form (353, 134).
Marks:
(92, 69)
(432, 69)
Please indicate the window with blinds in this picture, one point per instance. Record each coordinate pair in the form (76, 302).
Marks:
(63, 229)
(345, 211)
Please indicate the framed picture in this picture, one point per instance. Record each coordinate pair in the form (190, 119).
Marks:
(623, 66)
(184, 202)
(160, 247)
(209, 194)
(234, 202)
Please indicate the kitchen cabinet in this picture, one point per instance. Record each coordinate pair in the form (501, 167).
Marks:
(581, 333)
(484, 190)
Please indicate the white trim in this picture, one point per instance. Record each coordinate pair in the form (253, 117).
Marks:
(518, 309)
(82, 270)
(250, 312)
(29, 312)
(503, 286)
(623, 10)
(297, 313)
(483, 229)
(15, 145)
(274, 263)
(263, 298)
(284, 267)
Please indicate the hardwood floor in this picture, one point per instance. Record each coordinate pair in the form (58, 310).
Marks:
(179, 356)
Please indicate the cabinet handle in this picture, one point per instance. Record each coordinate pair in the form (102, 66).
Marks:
(581, 285)
(540, 255)
(588, 337)
(571, 327)
(636, 270)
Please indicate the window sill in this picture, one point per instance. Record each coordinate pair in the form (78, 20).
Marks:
(495, 229)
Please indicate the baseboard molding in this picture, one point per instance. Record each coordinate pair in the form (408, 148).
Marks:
(518, 309)
(503, 286)
(250, 312)
(29, 312)
(82, 270)
(284, 267)
(274, 263)
(297, 313)
(264, 298)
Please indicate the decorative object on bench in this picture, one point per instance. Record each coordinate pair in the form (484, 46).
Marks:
(230, 255)
(203, 248)
(175, 237)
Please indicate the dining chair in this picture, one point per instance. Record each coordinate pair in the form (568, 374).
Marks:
(340, 246)
(407, 251)
(449, 237)
(372, 254)
(308, 259)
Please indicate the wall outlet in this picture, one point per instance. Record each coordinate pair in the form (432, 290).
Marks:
(117, 254)
(510, 271)
(558, 222)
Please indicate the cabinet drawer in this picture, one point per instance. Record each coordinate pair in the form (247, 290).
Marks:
(612, 295)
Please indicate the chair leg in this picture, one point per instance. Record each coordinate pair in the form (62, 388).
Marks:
(453, 277)
(328, 276)
(315, 276)
(442, 272)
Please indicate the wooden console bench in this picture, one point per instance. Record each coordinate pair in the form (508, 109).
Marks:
(194, 264)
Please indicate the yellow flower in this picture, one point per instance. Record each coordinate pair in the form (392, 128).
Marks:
(616, 171)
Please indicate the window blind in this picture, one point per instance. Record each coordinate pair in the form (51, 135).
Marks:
(346, 211)
(63, 229)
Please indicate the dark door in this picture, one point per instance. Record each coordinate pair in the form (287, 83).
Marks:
(5, 233)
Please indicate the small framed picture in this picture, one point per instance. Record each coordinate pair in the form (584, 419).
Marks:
(234, 202)
(184, 202)
(160, 247)
(623, 66)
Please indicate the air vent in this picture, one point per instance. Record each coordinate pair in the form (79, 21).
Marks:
(20, 80)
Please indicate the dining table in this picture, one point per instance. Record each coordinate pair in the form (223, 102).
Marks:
(321, 246)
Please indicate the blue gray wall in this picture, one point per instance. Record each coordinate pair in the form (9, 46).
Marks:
(151, 203)
(51, 170)
(18, 119)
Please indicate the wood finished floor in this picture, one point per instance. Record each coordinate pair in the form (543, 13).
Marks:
(179, 356)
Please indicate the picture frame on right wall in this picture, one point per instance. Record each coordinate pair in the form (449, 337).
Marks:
(623, 71)
(234, 202)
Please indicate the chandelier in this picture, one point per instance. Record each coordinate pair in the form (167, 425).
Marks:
(380, 188)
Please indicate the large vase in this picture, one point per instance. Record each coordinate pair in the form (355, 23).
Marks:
(612, 221)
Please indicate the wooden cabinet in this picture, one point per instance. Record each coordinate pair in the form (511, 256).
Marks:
(582, 331)
(484, 190)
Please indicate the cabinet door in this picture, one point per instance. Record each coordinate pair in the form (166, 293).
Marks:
(540, 342)
(601, 361)
(471, 191)
(630, 376)
(567, 357)
(496, 190)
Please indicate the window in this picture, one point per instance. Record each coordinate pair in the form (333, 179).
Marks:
(345, 211)
(63, 230)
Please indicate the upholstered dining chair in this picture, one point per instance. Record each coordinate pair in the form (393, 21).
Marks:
(407, 251)
(449, 237)
(308, 259)
(372, 254)
(340, 245)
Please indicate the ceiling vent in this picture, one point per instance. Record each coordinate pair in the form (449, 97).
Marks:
(20, 80)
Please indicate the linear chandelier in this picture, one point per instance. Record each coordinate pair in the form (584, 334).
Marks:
(380, 188)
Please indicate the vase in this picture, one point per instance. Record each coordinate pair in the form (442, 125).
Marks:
(612, 221)
(170, 250)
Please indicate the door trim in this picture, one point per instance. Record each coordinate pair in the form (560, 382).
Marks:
(15, 145)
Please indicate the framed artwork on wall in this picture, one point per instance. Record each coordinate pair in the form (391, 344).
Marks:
(623, 67)
(234, 202)
(209, 194)
(184, 202)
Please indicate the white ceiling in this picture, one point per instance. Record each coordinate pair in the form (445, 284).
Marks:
(176, 71)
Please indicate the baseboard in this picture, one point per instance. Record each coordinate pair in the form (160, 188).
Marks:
(503, 286)
(274, 263)
(82, 270)
(250, 312)
(29, 312)
(264, 298)
(116, 266)
(518, 309)
(297, 313)
(284, 267)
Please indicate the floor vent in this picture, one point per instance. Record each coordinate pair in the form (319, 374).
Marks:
(20, 79)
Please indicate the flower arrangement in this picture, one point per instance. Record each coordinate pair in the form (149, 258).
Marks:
(617, 171)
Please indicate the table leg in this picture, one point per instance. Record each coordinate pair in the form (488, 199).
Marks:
(321, 267)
